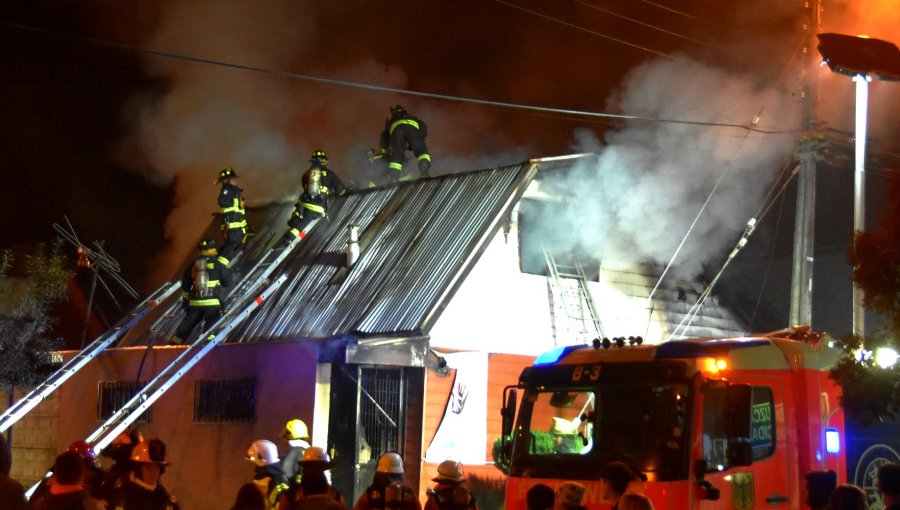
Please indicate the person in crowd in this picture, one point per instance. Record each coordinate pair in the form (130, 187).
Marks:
(539, 497)
(249, 498)
(297, 435)
(888, 481)
(388, 488)
(569, 496)
(314, 492)
(143, 490)
(67, 492)
(635, 501)
(450, 493)
(268, 476)
(12, 494)
(120, 471)
(817, 487)
(846, 497)
(614, 479)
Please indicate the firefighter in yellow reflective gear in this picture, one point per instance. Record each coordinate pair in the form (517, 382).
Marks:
(234, 220)
(320, 186)
(402, 131)
(267, 476)
(202, 292)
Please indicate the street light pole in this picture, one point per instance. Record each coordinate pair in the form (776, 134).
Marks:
(860, 58)
(859, 188)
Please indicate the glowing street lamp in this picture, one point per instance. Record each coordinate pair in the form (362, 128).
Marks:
(860, 58)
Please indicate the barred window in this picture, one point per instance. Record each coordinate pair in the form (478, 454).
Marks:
(225, 401)
(113, 395)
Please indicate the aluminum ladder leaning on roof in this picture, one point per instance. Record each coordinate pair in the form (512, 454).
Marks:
(141, 401)
(212, 336)
(28, 402)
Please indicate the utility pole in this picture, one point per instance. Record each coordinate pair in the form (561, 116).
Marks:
(807, 154)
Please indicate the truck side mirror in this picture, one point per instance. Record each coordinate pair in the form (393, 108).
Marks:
(737, 425)
(508, 412)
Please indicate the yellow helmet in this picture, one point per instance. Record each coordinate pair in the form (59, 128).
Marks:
(295, 429)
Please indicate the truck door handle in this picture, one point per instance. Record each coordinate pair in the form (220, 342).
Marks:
(774, 499)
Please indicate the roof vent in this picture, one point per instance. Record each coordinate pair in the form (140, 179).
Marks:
(352, 249)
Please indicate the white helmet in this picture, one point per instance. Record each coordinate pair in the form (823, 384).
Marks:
(449, 471)
(262, 452)
(390, 463)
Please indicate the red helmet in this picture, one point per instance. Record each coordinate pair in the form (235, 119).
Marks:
(85, 449)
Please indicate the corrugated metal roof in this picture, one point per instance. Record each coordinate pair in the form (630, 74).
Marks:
(417, 241)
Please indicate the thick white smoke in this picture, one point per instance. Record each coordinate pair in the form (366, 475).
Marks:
(652, 178)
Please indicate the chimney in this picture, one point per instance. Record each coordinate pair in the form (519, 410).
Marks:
(352, 249)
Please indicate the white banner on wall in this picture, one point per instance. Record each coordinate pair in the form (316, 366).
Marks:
(462, 434)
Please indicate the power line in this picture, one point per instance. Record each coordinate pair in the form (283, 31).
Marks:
(639, 22)
(673, 11)
(592, 32)
(380, 88)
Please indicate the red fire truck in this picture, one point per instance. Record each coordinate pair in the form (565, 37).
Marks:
(710, 423)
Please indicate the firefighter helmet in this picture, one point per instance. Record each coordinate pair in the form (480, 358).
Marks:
(206, 245)
(390, 463)
(398, 110)
(318, 156)
(227, 173)
(449, 471)
(317, 455)
(262, 452)
(85, 449)
(295, 429)
(152, 451)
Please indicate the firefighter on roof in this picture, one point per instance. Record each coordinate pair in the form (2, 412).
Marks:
(401, 132)
(234, 221)
(320, 186)
(202, 293)
(449, 493)
(388, 489)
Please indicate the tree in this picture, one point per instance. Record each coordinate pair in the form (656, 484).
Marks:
(25, 320)
(871, 393)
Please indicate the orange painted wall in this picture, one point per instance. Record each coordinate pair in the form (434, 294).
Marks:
(503, 370)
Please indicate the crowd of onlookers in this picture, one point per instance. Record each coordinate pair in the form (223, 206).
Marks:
(299, 480)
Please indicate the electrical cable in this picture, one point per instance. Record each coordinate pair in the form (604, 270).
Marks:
(394, 90)
(586, 30)
(643, 24)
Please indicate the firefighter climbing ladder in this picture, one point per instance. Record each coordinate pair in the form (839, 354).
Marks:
(211, 337)
(569, 291)
(38, 394)
(165, 325)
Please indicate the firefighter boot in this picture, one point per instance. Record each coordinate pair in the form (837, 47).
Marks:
(424, 166)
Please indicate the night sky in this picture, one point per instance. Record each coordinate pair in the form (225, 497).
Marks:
(120, 114)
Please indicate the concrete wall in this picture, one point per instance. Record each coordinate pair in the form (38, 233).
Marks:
(207, 460)
(34, 438)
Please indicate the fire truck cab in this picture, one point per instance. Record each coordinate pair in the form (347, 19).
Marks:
(709, 423)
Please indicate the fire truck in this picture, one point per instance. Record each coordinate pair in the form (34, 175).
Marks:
(709, 423)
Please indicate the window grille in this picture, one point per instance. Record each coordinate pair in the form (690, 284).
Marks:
(113, 395)
(225, 401)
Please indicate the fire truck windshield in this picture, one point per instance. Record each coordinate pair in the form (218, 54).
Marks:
(564, 432)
